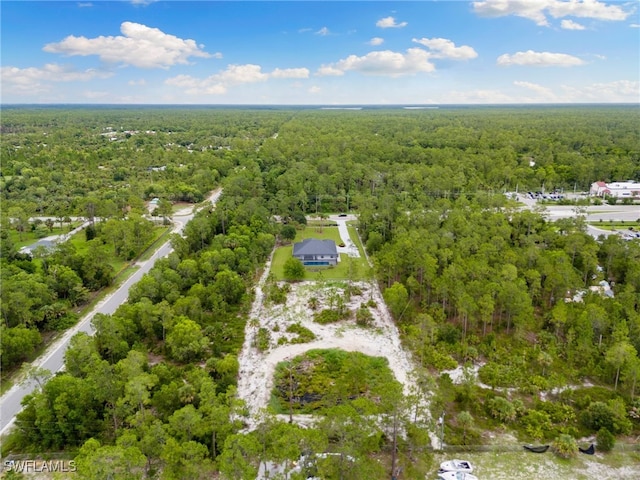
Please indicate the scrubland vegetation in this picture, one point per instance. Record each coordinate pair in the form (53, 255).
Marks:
(470, 278)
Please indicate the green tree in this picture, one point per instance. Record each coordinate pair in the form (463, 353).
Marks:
(97, 462)
(397, 298)
(288, 232)
(185, 340)
(294, 270)
(18, 344)
(239, 457)
(619, 355)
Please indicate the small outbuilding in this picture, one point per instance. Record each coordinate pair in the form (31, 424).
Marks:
(314, 252)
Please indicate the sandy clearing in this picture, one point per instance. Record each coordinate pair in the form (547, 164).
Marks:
(381, 339)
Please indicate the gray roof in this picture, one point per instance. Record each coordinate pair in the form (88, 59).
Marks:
(313, 246)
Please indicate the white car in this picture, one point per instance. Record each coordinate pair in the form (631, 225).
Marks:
(456, 476)
(456, 466)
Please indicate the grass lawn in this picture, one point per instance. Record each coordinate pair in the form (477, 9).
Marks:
(30, 237)
(615, 225)
(321, 233)
(339, 272)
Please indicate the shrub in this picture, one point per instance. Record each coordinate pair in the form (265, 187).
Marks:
(536, 423)
(313, 303)
(605, 440)
(611, 416)
(565, 446)
(364, 318)
(278, 294)
(501, 409)
(304, 334)
(327, 316)
(293, 270)
(263, 339)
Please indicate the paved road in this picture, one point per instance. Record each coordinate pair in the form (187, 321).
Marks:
(53, 359)
(594, 213)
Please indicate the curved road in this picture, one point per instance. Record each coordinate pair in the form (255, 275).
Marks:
(53, 358)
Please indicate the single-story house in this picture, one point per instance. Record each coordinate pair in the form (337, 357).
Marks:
(316, 252)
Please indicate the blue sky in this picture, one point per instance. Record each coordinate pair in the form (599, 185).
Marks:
(328, 52)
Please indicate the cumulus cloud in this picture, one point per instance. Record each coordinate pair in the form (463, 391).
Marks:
(137, 83)
(616, 91)
(329, 71)
(233, 75)
(314, 89)
(324, 31)
(390, 22)
(538, 59)
(34, 80)
(139, 46)
(571, 25)
(375, 41)
(477, 96)
(544, 92)
(385, 63)
(634, 25)
(443, 48)
(537, 10)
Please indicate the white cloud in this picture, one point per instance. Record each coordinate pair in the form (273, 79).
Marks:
(539, 59)
(476, 96)
(329, 71)
(390, 22)
(571, 25)
(93, 95)
(443, 48)
(635, 25)
(375, 41)
(314, 90)
(219, 83)
(34, 80)
(537, 10)
(290, 73)
(616, 91)
(385, 63)
(237, 74)
(324, 31)
(85, 4)
(544, 92)
(135, 83)
(140, 46)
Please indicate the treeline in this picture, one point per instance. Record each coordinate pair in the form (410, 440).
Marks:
(468, 277)
(55, 160)
(154, 387)
(41, 289)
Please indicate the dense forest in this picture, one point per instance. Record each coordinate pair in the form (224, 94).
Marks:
(471, 279)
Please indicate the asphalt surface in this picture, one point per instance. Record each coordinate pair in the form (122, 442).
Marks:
(53, 358)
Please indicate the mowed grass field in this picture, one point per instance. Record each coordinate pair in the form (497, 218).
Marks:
(347, 268)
